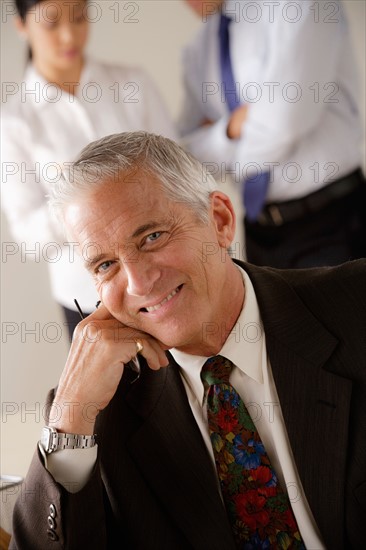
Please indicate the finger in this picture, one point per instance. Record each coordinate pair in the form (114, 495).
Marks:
(160, 352)
(153, 350)
(152, 353)
(100, 314)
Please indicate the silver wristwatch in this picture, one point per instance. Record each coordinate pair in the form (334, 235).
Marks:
(52, 440)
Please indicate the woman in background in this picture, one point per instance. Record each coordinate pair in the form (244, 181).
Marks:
(65, 101)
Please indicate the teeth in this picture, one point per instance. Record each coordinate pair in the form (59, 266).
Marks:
(158, 306)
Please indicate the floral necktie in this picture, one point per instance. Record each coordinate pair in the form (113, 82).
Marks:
(258, 509)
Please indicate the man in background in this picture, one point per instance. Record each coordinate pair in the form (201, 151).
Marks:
(271, 100)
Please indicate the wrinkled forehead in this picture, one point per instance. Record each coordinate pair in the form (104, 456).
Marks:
(116, 207)
(91, 186)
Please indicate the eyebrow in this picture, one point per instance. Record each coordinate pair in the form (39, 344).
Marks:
(89, 264)
(145, 227)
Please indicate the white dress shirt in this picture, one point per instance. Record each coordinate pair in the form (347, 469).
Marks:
(252, 378)
(293, 66)
(42, 127)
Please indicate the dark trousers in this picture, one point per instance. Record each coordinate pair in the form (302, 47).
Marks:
(333, 235)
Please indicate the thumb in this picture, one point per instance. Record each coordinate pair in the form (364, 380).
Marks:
(100, 314)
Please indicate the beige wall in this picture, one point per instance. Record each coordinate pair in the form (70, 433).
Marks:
(154, 42)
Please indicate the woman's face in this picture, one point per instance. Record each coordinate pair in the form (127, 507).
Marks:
(57, 31)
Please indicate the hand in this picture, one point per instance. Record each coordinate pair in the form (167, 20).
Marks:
(100, 349)
(206, 122)
(236, 122)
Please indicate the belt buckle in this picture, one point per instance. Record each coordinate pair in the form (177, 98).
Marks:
(275, 214)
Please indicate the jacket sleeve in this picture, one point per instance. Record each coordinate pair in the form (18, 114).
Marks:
(47, 516)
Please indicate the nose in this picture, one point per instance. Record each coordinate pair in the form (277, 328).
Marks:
(141, 276)
(67, 33)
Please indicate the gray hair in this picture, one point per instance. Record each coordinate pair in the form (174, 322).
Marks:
(182, 177)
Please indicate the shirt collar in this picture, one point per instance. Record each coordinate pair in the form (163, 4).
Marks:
(244, 345)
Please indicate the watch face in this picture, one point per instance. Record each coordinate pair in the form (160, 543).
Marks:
(46, 439)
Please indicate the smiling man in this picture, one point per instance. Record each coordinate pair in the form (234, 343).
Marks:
(147, 260)
(248, 432)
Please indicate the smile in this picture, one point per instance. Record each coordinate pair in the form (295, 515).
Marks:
(169, 297)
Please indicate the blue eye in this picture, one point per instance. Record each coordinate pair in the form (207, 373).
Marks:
(104, 266)
(153, 236)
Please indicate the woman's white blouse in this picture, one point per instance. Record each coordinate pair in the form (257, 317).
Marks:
(43, 127)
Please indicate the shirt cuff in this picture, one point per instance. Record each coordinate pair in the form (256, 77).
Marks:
(211, 142)
(72, 467)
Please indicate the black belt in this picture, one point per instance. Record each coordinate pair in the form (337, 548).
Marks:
(279, 213)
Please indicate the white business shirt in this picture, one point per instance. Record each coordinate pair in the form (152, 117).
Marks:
(293, 66)
(252, 378)
(42, 127)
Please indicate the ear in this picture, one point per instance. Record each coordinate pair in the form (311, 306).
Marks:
(224, 219)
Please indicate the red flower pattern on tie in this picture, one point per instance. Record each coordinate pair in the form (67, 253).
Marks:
(258, 509)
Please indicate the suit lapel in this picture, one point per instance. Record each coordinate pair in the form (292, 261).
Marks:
(178, 467)
(314, 400)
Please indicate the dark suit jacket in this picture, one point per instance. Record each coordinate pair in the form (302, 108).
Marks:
(154, 486)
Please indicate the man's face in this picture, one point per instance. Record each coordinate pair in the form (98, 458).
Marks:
(156, 266)
(204, 8)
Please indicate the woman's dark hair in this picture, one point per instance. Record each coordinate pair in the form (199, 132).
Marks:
(23, 6)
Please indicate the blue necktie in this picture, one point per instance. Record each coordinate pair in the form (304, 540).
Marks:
(255, 187)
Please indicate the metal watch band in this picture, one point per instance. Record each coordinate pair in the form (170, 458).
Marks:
(52, 440)
(74, 441)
